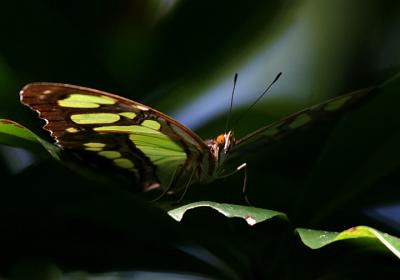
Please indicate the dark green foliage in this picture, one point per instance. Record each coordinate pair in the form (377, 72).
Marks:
(58, 216)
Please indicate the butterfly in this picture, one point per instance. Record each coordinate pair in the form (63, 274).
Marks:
(155, 150)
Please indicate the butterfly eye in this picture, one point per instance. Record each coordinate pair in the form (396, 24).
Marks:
(220, 139)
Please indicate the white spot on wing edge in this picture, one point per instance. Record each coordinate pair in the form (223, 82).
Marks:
(140, 107)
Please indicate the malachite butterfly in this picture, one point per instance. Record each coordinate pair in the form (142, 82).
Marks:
(147, 145)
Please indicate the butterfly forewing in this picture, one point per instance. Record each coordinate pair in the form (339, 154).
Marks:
(302, 119)
(117, 132)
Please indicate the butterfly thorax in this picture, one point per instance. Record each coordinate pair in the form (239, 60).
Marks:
(219, 148)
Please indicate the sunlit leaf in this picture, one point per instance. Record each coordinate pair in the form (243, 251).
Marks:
(15, 135)
(251, 215)
(316, 239)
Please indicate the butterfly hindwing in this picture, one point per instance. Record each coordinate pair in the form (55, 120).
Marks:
(116, 131)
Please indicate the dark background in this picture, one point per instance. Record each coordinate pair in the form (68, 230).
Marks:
(180, 57)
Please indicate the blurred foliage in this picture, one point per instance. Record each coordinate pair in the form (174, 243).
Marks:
(171, 55)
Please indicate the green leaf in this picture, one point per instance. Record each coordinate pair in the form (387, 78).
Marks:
(16, 135)
(251, 215)
(316, 239)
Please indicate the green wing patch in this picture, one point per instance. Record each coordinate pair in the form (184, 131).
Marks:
(77, 100)
(163, 152)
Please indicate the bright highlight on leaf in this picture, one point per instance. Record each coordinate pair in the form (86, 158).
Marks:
(316, 239)
(251, 215)
(15, 135)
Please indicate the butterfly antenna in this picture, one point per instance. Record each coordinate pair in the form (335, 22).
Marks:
(230, 107)
(259, 98)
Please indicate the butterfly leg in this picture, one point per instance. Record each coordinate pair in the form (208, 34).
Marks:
(160, 196)
(186, 187)
(244, 188)
(168, 188)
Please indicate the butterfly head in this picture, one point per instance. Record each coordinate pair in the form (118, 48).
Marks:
(225, 141)
(221, 145)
